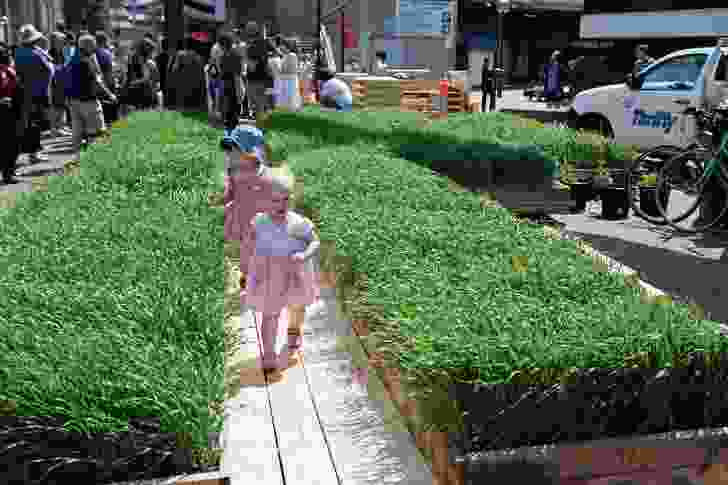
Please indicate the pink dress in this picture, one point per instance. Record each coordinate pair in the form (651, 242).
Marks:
(274, 280)
(245, 195)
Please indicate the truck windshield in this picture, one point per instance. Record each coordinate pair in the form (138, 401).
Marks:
(721, 72)
(678, 73)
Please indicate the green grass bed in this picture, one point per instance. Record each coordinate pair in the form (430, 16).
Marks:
(440, 265)
(111, 287)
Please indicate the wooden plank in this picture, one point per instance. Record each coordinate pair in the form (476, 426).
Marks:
(368, 437)
(249, 448)
(303, 449)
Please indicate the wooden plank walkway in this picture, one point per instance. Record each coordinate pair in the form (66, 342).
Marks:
(250, 451)
(315, 426)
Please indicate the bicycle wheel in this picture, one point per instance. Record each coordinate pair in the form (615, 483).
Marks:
(681, 194)
(649, 163)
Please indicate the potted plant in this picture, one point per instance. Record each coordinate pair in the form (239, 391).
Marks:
(601, 179)
(581, 190)
(648, 195)
(615, 204)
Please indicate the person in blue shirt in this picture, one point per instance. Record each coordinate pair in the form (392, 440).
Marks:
(70, 49)
(334, 93)
(35, 68)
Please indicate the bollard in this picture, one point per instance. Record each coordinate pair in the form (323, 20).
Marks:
(440, 103)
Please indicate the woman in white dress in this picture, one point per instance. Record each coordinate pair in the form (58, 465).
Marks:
(275, 63)
(290, 95)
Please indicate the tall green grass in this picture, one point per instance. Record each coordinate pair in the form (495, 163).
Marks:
(111, 285)
(440, 294)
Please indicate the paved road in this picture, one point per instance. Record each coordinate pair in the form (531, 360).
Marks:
(58, 151)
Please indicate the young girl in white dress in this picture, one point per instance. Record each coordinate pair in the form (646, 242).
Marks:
(280, 247)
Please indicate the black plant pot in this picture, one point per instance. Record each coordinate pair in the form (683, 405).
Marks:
(615, 204)
(648, 200)
(581, 193)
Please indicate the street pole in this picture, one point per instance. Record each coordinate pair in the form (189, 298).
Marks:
(319, 61)
(8, 21)
(502, 7)
(341, 56)
(174, 25)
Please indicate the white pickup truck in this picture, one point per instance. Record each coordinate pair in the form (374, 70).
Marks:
(647, 111)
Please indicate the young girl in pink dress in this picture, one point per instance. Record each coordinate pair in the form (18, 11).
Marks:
(245, 187)
(280, 245)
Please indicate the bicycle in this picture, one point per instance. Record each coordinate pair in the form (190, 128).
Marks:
(651, 162)
(685, 180)
(648, 163)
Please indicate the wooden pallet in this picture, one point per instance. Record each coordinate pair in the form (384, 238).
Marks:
(413, 95)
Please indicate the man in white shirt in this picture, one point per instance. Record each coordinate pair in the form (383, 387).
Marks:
(335, 93)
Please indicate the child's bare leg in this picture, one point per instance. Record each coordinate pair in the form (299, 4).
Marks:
(295, 327)
(269, 331)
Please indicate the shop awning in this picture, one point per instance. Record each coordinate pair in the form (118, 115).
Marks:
(557, 5)
(678, 23)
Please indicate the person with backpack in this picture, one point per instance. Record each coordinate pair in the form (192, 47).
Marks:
(106, 63)
(58, 97)
(11, 99)
(143, 79)
(231, 69)
(35, 68)
(260, 77)
(87, 84)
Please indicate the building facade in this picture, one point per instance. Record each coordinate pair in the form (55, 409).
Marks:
(43, 14)
(409, 31)
(664, 25)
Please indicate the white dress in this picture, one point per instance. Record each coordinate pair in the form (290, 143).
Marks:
(290, 95)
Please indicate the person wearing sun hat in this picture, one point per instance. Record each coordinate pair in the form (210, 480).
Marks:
(245, 166)
(35, 69)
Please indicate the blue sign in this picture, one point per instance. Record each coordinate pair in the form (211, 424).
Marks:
(418, 16)
(659, 119)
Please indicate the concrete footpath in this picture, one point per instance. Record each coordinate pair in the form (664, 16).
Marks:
(57, 149)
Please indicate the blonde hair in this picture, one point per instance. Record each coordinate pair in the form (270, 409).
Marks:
(282, 183)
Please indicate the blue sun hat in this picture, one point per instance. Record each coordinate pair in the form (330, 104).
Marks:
(248, 139)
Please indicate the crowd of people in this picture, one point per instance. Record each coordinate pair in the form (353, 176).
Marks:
(68, 84)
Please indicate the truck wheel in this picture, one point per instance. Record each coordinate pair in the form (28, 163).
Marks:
(597, 124)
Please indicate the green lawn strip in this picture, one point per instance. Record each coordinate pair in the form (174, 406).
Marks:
(111, 290)
(440, 267)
